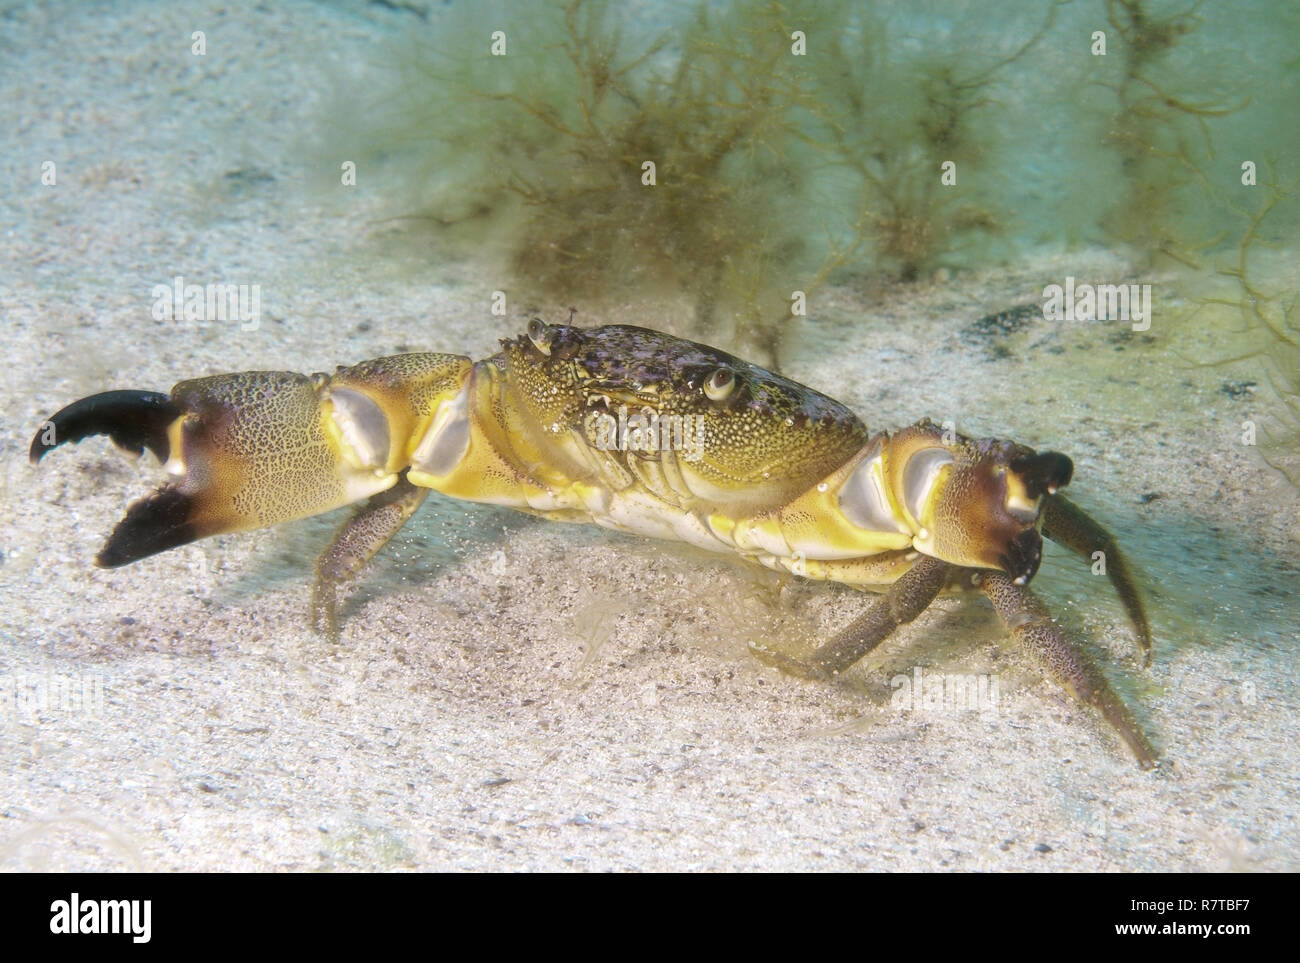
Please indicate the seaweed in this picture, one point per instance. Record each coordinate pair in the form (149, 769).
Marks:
(552, 160)
(1151, 129)
(895, 126)
(1270, 330)
(772, 171)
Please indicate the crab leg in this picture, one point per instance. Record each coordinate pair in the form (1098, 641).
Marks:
(1065, 524)
(356, 543)
(905, 600)
(1031, 623)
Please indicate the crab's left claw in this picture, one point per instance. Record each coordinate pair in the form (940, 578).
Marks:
(257, 448)
(975, 503)
(253, 449)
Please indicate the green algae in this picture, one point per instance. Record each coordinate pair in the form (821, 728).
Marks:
(730, 163)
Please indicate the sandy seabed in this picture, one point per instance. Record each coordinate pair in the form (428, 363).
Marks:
(514, 694)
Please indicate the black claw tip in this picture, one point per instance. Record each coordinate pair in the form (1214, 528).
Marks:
(1023, 555)
(1044, 473)
(134, 420)
(152, 525)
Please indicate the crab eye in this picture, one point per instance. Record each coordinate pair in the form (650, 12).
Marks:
(719, 384)
(540, 334)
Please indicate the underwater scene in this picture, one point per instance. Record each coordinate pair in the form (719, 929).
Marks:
(665, 435)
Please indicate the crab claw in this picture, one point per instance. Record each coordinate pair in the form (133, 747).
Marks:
(133, 420)
(976, 503)
(244, 451)
(253, 449)
(1024, 553)
(1043, 473)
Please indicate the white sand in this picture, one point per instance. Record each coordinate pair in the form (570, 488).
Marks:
(513, 694)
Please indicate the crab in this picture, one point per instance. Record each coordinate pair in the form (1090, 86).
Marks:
(634, 430)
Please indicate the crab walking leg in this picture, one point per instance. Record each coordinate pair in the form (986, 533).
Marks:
(1031, 623)
(905, 600)
(356, 543)
(1065, 524)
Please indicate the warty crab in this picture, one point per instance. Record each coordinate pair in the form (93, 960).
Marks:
(637, 431)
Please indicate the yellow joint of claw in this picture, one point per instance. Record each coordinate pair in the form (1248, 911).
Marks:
(925, 474)
(1018, 501)
(442, 447)
(358, 428)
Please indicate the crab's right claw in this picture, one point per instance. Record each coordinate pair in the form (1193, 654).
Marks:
(974, 503)
(258, 448)
(133, 420)
(244, 451)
